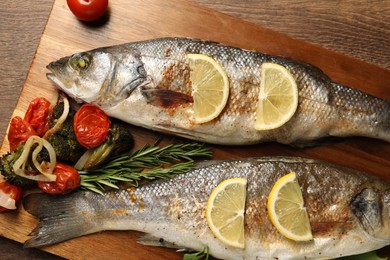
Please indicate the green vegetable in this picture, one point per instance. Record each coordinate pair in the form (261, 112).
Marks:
(64, 142)
(204, 254)
(69, 150)
(149, 162)
(6, 164)
(119, 141)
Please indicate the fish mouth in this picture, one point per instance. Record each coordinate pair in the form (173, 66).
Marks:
(55, 67)
(56, 80)
(60, 85)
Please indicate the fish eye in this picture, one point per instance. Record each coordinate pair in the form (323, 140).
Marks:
(80, 61)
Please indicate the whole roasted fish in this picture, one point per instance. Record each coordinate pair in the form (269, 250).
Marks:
(349, 211)
(148, 84)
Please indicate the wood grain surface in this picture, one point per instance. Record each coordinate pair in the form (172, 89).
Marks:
(22, 24)
(152, 18)
(360, 29)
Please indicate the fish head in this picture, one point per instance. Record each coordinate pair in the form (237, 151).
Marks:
(372, 209)
(100, 76)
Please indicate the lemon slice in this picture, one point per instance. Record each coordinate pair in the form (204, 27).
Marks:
(225, 211)
(286, 210)
(278, 97)
(210, 87)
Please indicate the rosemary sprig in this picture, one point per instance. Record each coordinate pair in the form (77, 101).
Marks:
(149, 162)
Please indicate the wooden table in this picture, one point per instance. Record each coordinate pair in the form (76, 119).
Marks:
(360, 29)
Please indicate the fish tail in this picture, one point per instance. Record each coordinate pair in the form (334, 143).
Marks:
(360, 114)
(60, 219)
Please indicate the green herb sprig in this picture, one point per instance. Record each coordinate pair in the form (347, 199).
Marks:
(149, 163)
(204, 254)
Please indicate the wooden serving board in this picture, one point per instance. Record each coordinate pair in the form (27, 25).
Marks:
(144, 19)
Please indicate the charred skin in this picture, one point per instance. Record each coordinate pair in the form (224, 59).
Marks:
(148, 84)
(348, 210)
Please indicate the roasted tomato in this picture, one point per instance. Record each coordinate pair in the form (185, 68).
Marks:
(19, 132)
(91, 126)
(88, 10)
(37, 115)
(9, 195)
(67, 180)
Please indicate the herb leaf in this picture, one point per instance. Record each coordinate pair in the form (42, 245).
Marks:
(147, 163)
(204, 254)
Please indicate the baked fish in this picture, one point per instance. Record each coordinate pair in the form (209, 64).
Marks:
(349, 211)
(148, 84)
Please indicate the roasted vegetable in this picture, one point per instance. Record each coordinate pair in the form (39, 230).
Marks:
(68, 150)
(9, 195)
(64, 141)
(6, 163)
(118, 141)
(91, 126)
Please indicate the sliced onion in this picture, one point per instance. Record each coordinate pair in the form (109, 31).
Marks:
(46, 168)
(60, 120)
(83, 159)
(6, 201)
(35, 153)
(26, 152)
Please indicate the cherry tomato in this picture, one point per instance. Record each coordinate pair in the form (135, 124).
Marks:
(19, 132)
(37, 115)
(12, 191)
(91, 126)
(67, 180)
(88, 10)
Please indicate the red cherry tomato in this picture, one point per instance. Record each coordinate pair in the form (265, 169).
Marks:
(19, 132)
(88, 10)
(10, 191)
(67, 180)
(91, 126)
(37, 115)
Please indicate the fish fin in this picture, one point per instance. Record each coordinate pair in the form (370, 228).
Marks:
(59, 219)
(366, 206)
(150, 240)
(166, 98)
(206, 163)
(175, 131)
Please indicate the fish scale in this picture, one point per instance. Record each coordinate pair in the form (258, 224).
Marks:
(348, 210)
